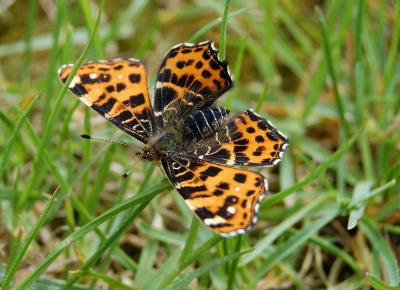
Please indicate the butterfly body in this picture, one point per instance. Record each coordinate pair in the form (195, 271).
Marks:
(196, 142)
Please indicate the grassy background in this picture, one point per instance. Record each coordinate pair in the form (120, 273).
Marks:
(332, 219)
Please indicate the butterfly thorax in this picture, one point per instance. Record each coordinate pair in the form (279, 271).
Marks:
(167, 143)
(181, 135)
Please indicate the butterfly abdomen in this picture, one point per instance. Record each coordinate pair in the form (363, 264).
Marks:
(203, 123)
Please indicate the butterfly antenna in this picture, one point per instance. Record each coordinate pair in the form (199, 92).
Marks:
(85, 136)
(129, 171)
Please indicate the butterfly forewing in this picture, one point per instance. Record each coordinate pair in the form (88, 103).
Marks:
(191, 77)
(118, 91)
(224, 199)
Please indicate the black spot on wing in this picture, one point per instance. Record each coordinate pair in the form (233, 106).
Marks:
(241, 142)
(223, 211)
(86, 79)
(240, 177)
(261, 148)
(217, 84)
(241, 159)
(214, 65)
(228, 81)
(204, 213)
(215, 226)
(236, 135)
(206, 91)
(135, 64)
(250, 192)
(188, 175)
(79, 90)
(266, 161)
(237, 149)
(206, 54)
(259, 139)
(189, 81)
(195, 86)
(110, 89)
(223, 154)
(120, 87)
(104, 108)
(182, 81)
(211, 171)
(205, 74)
(252, 116)
(171, 54)
(180, 64)
(272, 136)
(136, 100)
(242, 119)
(262, 126)
(218, 192)
(123, 116)
(134, 78)
(186, 192)
(223, 185)
(230, 200)
(250, 130)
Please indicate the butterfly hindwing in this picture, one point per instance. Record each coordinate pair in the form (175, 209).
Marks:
(223, 198)
(191, 77)
(247, 139)
(118, 91)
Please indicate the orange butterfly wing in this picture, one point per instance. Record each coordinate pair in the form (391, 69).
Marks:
(225, 199)
(247, 139)
(118, 91)
(191, 77)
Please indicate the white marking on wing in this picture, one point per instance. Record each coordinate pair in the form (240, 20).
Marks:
(214, 221)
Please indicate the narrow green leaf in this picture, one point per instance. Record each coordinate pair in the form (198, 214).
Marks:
(17, 260)
(361, 190)
(388, 258)
(186, 279)
(378, 284)
(294, 242)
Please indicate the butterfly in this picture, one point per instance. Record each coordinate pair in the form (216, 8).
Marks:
(195, 141)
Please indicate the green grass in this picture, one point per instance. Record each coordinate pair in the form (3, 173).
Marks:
(327, 76)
